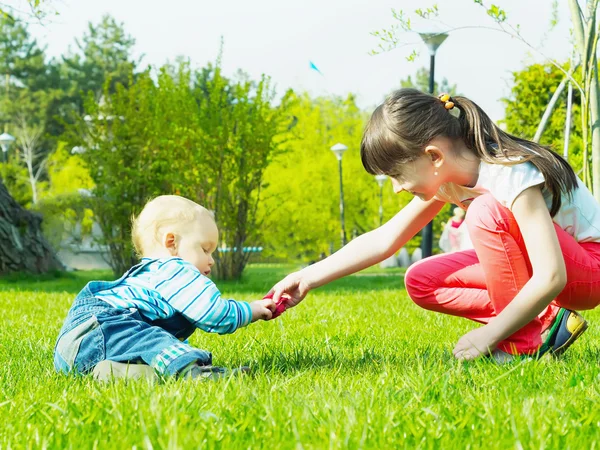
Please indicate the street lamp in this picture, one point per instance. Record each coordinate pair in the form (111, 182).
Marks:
(6, 141)
(339, 150)
(380, 181)
(433, 42)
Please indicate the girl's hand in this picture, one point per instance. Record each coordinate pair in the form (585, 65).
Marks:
(262, 309)
(294, 286)
(475, 343)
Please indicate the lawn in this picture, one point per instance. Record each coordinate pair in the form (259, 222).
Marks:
(356, 365)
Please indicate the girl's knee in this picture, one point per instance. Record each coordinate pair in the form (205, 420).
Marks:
(485, 212)
(418, 282)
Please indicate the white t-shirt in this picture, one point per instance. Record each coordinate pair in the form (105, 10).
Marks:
(579, 215)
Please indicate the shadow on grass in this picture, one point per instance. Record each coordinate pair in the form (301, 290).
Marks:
(256, 279)
(301, 359)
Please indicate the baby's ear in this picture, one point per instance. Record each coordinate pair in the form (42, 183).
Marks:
(170, 242)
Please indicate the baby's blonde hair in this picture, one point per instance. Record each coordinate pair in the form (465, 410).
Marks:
(162, 211)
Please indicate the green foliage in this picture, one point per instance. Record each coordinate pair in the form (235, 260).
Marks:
(65, 206)
(329, 374)
(67, 173)
(301, 208)
(102, 59)
(30, 92)
(532, 89)
(20, 55)
(15, 178)
(103, 55)
(127, 149)
(239, 132)
(427, 13)
(496, 13)
(197, 134)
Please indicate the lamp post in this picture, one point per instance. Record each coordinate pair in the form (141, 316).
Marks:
(339, 150)
(433, 42)
(6, 141)
(380, 181)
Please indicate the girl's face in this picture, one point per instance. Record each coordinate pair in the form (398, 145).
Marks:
(421, 178)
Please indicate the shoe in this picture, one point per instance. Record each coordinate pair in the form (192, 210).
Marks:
(109, 370)
(565, 330)
(197, 372)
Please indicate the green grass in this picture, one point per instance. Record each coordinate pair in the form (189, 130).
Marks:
(356, 365)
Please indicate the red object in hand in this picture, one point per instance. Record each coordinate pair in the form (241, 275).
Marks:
(279, 308)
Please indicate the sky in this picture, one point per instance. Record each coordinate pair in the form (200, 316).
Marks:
(279, 38)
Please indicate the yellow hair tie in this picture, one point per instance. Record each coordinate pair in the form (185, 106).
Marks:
(447, 101)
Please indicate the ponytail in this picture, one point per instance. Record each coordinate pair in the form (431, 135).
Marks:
(495, 146)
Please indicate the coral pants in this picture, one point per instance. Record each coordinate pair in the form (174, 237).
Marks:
(477, 284)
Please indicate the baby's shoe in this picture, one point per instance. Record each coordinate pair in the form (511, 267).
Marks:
(108, 370)
(197, 372)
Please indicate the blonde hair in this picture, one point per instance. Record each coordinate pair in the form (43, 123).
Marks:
(162, 211)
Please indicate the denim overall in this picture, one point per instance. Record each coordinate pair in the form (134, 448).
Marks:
(95, 331)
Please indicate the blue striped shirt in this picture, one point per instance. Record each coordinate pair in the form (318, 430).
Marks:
(168, 286)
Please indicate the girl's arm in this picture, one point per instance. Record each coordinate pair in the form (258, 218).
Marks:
(548, 280)
(364, 251)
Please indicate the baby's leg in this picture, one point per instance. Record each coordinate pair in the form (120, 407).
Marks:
(129, 338)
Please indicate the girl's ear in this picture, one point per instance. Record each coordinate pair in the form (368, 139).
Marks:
(170, 243)
(435, 155)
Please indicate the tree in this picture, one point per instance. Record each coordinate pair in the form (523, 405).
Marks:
(22, 62)
(239, 131)
(532, 90)
(304, 178)
(101, 59)
(195, 134)
(65, 205)
(586, 34)
(421, 82)
(122, 142)
(29, 137)
(24, 248)
(104, 55)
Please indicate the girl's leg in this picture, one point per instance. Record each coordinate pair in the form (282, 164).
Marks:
(455, 284)
(478, 285)
(451, 283)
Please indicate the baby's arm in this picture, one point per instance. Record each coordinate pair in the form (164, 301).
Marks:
(199, 300)
(362, 252)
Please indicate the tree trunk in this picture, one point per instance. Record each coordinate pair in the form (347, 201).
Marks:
(581, 37)
(549, 108)
(595, 110)
(23, 248)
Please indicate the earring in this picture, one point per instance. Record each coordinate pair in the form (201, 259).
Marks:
(435, 173)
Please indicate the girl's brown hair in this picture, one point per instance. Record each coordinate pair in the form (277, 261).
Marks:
(400, 129)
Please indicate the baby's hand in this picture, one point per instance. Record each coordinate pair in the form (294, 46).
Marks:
(280, 306)
(262, 309)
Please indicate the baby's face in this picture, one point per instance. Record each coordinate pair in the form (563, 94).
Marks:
(198, 242)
